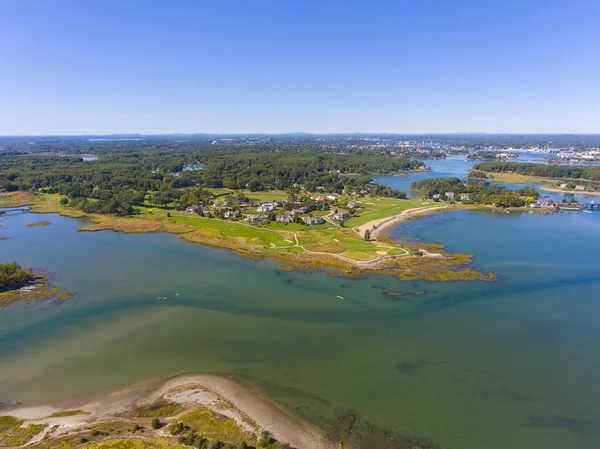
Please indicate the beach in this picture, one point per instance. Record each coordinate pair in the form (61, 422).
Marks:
(219, 393)
(383, 226)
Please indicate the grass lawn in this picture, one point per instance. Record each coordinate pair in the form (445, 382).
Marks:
(237, 230)
(375, 208)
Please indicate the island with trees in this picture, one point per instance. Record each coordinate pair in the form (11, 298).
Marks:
(475, 192)
(25, 284)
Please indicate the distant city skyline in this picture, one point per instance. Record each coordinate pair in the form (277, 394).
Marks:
(338, 67)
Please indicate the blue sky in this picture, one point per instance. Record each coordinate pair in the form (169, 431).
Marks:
(100, 67)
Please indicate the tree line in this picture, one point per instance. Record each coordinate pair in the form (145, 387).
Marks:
(476, 192)
(591, 172)
(123, 178)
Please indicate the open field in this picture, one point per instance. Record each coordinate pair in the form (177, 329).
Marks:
(516, 178)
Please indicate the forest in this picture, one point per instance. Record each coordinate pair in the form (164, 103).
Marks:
(591, 173)
(122, 178)
(476, 192)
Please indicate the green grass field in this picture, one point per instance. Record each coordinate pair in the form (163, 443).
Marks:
(376, 208)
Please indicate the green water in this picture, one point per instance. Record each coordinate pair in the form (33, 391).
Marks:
(470, 365)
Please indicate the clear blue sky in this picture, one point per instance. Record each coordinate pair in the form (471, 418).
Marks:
(100, 67)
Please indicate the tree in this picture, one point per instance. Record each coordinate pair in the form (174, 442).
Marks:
(156, 424)
(64, 201)
(13, 276)
(367, 235)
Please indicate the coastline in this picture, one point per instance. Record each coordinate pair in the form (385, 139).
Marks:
(549, 188)
(220, 393)
(386, 257)
(383, 226)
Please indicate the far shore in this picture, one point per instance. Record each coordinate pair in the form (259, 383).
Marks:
(244, 401)
(550, 188)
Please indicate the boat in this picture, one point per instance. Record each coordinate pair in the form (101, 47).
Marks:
(587, 211)
(340, 297)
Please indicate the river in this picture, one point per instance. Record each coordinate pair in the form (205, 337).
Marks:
(467, 365)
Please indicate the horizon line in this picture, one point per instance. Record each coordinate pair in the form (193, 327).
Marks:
(300, 133)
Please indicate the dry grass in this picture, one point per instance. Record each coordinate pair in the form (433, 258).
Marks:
(38, 223)
(125, 225)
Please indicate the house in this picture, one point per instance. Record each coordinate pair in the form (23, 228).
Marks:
(342, 216)
(464, 196)
(353, 205)
(437, 196)
(302, 210)
(545, 203)
(331, 197)
(230, 214)
(288, 217)
(449, 194)
(320, 198)
(311, 221)
(192, 209)
(581, 188)
(563, 185)
(219, 204)
(256, 218)
(298, 186)
(266, 207)
(321, 188)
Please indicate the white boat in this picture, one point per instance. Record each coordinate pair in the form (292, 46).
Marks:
(587, 211)
(340, 297)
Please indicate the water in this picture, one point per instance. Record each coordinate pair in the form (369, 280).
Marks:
(467, 365)
(458, 167)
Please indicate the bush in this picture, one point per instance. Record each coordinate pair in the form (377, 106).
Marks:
(176, 428)
(156, 424)
(266, 439)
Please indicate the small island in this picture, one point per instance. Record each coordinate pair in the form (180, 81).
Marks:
(22, 284)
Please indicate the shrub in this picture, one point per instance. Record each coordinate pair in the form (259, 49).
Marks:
(156, 424)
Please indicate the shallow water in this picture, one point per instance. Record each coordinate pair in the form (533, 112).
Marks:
(467, 365)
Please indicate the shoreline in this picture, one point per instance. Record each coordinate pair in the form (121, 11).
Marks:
(383, 226)
(549, 188)
(217, 392)
(402, 264)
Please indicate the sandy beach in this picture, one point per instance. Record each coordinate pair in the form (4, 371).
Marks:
(383, 226)
(219, 393)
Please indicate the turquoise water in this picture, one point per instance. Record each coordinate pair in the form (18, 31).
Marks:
(469, 365)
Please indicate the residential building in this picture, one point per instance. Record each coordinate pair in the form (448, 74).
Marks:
(311, 221)
(341, 216)
(288, 217)
(256, 218)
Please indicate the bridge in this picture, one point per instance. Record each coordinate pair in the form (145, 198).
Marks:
(4, 211)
